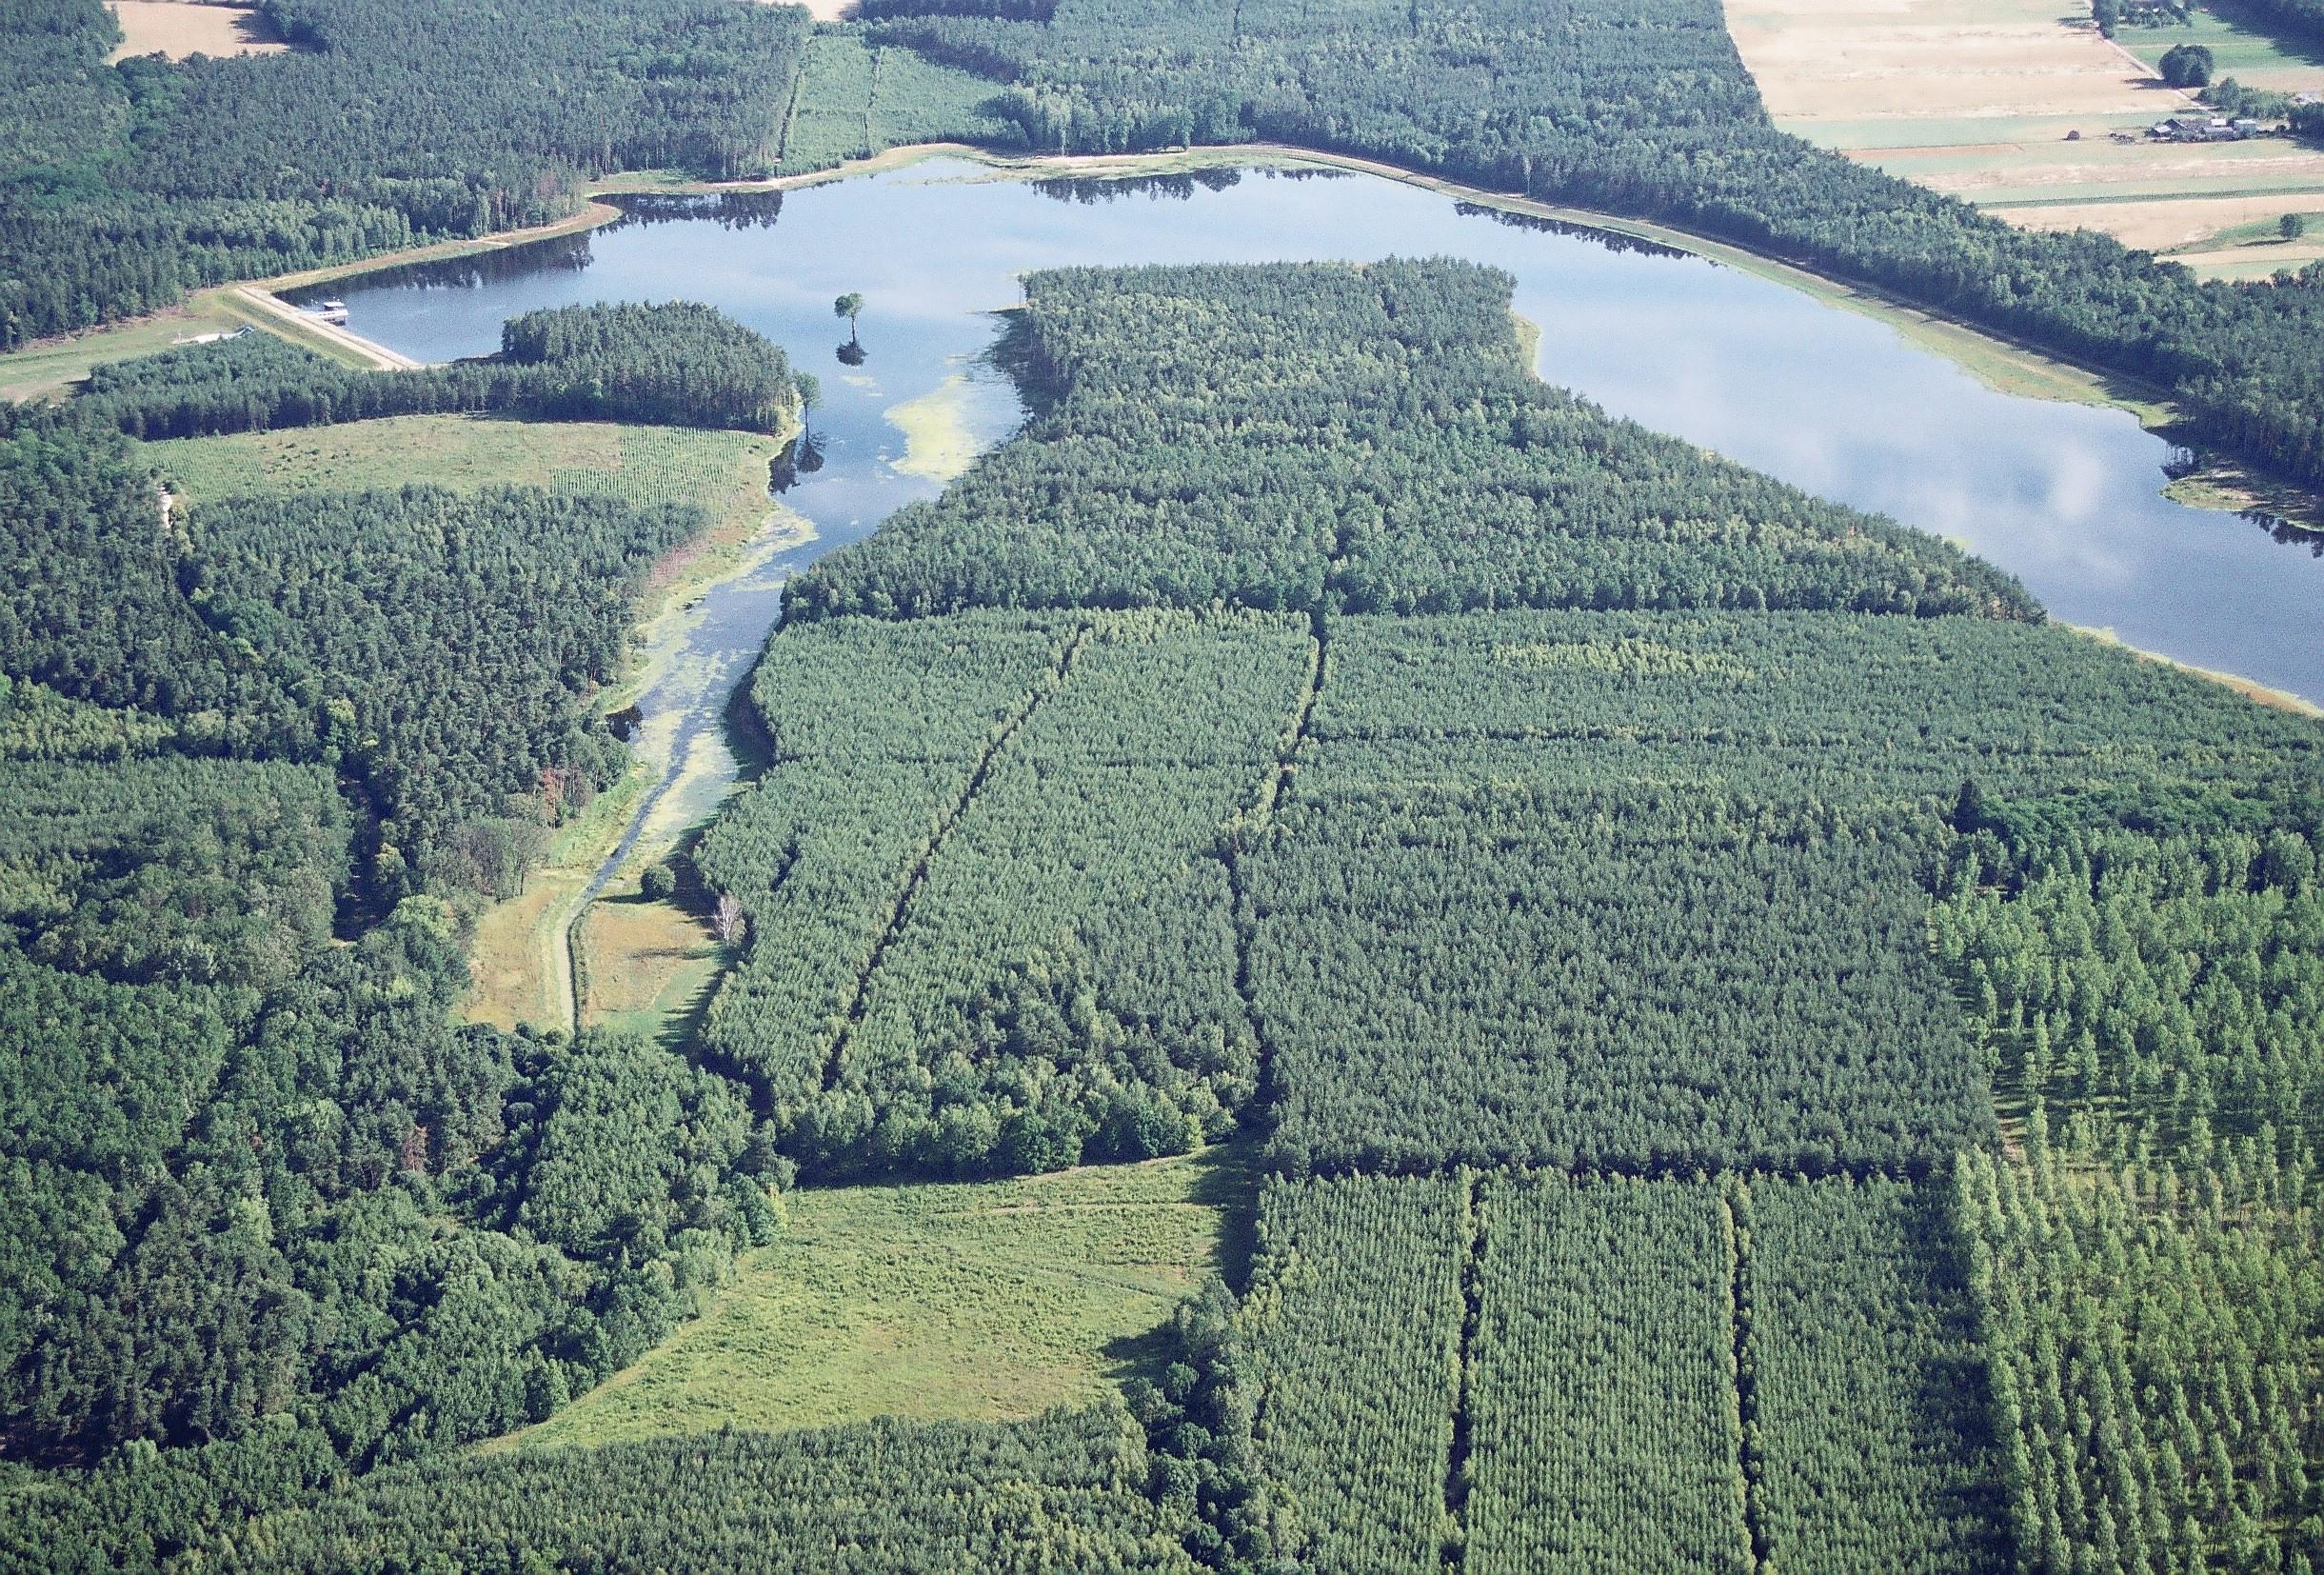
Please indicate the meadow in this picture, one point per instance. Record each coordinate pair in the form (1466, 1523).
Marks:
(989, 1301)
(723, 471)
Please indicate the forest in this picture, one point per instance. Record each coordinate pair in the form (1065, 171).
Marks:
(138, 182)
(271, 1212)
(1640, 107)
(127, 185)
(1503, 862)
(1765, 1052)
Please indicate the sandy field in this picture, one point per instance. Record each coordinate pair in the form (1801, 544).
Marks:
(823, 10)
(178, 28)
(2014, 105)
(2166, 225)
(1818, 60)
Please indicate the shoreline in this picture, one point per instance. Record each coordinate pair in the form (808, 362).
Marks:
(2251, 689)
(2008, 365)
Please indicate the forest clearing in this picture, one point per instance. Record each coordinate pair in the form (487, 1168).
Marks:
(988, 1301)
(181, 28)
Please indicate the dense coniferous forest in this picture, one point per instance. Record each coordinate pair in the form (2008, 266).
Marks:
(133, 183)
(1362, 438)
(1602, 1411)
(1494, 905)
(1768, 1054)
(1870, 1446)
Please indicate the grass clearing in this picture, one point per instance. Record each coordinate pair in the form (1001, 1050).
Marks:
(182, 27)
(646, 967)
(986, 1301)
(521, 969)
(2240, 45)
(51, 366)
(2015, 104)
(723, 471)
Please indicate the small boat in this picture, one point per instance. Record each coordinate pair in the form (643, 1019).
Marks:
(329, 311)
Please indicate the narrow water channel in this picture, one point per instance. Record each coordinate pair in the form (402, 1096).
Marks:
(2067, 497)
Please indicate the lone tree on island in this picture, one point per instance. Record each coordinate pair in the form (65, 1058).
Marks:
(849, 305)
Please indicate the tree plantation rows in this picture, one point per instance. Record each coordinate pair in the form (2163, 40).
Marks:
(1491, 920)
(1631, 909)
(1061, 1491)
(2152, 1336)
(1532, 1371)
(1020, 951)
(854, 99)
(2150, 995)
(1768, 1055)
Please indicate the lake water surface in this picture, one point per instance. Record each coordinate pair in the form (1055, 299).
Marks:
(2065, 497)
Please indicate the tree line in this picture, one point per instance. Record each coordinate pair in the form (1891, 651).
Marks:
(675, 364)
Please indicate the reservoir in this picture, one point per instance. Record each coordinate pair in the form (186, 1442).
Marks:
(2065, 497)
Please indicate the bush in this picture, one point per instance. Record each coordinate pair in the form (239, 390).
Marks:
(659, 883)
(2187, 65)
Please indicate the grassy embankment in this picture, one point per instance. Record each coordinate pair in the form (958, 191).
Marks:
(986, 1299)
(523, 970)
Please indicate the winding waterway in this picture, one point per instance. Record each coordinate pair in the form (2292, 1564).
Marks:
(2066, 496)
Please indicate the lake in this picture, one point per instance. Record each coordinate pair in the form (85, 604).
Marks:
(2065, 497)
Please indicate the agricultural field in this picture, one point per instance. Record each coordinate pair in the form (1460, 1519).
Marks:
(182, 27)
(989, 1301)
(1984, 103)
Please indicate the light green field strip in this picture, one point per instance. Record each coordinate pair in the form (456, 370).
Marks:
(2240, 46)
(989, 1299)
